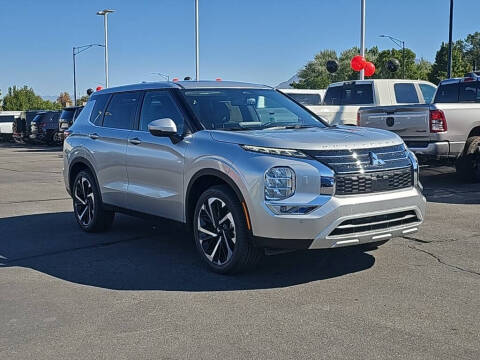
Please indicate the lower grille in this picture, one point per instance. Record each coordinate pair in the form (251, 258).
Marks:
(351, 184)
(377, 222)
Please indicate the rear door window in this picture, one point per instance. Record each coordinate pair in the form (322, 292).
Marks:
(99, 108)
(447, 93)
(428, 91)
(467, 91)
(405, 93)
(121, 110)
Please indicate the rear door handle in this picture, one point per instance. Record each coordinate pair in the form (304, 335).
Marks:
(135, 141)
(93, 136)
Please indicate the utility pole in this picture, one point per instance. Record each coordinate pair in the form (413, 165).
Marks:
(450, 47)
(362, 38)
(75, 51)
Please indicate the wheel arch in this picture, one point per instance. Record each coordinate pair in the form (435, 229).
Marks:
(77, 165)
(202, 180)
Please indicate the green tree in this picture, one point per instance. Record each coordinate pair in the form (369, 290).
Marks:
(82, 100)
(24, 98)
(64, 99)
(471, 48)
(411, 69)
(439, 67)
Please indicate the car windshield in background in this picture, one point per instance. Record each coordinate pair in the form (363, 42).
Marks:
(349, 94)
(67, 114)
(307, 99)
(247, 109)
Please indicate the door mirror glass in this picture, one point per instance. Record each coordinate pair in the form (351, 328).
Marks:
(162, 127)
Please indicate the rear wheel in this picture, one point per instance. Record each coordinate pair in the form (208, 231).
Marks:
(221, 234)
(87, 205)
(468, 165)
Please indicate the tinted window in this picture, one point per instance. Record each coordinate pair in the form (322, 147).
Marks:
(121, 110)
(333, 95)
(467, 91)
(67, 114)
(349, 94)
(307, 99)
(447, 93)
(427, 91)
(6, 118)
(98, 108)
(405, 93)
(160, 105)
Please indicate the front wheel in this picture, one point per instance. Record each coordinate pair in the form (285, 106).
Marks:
(87, 205)
(468, 165)
(221, 234)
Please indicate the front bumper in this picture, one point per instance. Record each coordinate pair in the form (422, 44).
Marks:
(314, 230)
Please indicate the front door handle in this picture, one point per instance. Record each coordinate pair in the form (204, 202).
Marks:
(135, 141)
(93, 136)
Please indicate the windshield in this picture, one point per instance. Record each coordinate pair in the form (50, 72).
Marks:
(247, 109)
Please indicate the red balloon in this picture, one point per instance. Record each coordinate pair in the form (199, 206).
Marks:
(369, 69)
(358, 63)
(99, 88)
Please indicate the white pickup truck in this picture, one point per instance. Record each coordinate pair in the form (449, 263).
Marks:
(447, 129)
(7, 119)
(343, 99)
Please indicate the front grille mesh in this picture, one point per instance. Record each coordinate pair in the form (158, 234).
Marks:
(376, 222)
(373, 182)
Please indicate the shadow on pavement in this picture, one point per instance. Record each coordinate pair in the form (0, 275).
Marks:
(442, 185)
(141, 255)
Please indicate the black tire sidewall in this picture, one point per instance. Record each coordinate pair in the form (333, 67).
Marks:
(241, 232)
(97, 208)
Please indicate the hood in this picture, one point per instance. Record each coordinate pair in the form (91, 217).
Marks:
(334, 137)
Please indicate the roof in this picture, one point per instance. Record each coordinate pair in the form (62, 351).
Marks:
(183, 85)
(369, 81)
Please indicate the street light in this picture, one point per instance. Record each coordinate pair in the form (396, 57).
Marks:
(401, 44)
(105, 13)
(197, 51)
(75, 51)
(165, 76)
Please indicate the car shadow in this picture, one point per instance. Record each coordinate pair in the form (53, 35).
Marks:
(143, 255)
(442, 185)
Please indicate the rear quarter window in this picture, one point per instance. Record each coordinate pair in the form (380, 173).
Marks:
(99, 108)
(405, 93)
(447, 93)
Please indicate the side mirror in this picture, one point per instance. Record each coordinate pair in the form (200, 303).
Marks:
(162, 127)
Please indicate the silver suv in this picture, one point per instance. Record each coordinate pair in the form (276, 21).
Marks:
(244, 166)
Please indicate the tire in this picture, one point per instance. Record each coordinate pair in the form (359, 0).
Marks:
(468, 164)
(88, 208)
(372, 246)
(220, 232)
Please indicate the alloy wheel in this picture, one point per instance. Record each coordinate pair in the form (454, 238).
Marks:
(216, 231)
(84, 201)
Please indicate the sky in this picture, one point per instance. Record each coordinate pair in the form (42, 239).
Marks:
(260, 41)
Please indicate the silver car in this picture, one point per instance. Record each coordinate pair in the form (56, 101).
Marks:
(248, 169)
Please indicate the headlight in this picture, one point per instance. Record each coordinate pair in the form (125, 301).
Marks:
(279, 183)
(416, 168)
(274, 151)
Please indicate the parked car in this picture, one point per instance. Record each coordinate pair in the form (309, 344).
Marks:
(306, 97)
(343, 99)
(448, 129)
(244, 166)
(44, 128)
(7, 118)
(67, 117)
(22, 125)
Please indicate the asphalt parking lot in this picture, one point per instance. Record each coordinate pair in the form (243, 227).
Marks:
(140, 291)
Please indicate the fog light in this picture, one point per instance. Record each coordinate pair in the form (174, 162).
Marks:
(291, 209)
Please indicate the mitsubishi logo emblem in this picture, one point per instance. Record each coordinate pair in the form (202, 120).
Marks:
(374, 160)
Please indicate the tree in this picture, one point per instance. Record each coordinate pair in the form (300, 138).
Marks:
(439, 67)
(24, 98)
(82, 100)
(471, 48)
(64, 99)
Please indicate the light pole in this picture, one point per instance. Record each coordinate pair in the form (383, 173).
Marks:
(450, 47)
(399, 43)
(362, 37)
(197, 50)
(105, 13)
(75, 51)
(165, 76)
